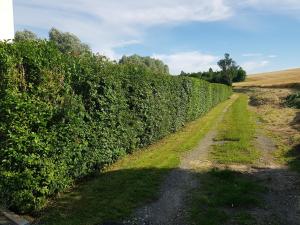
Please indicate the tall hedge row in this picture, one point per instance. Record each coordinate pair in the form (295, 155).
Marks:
(63, 116)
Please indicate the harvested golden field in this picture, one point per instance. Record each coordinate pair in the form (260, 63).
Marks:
(285, 78)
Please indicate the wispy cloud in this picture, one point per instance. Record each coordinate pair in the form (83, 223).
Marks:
(252, 54)
(287, 6)
(278, 7)
(272, 56)
(193, 61)
(254, 66)
(108, 24)
(259, 55)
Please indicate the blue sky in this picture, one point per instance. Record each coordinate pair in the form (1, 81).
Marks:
(189, 35)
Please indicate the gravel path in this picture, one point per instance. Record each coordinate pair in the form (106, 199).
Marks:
(169, 209)
(282, 200)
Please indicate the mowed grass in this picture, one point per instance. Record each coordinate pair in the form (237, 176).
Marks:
(133, 181)
(236, 134)
(223, 198)
(280, 123)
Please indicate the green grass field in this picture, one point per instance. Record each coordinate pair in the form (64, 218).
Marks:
(131, 182)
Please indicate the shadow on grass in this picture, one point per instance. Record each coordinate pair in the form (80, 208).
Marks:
(110, 196)
(113, 196)
(241, 198)
(244, 90)
(296, 121)
(294, 156)
(294, 153)
(224, 197)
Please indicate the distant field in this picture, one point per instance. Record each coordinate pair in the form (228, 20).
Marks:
(285, 78)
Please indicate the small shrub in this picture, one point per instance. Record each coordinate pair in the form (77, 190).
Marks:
(264, 99)
(293, 100)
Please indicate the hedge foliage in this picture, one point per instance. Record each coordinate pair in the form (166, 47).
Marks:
(63, 116)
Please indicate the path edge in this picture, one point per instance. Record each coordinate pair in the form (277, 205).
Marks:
(14, 217)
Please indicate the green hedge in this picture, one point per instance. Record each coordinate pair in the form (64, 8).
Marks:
(62, 116)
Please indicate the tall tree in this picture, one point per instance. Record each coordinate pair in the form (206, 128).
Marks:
(25, 35)
(229, 68)
(68, 42)
(240, 75)
(155, 65)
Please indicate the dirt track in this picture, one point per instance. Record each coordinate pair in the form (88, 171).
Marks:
(281, 201)
(169, 209)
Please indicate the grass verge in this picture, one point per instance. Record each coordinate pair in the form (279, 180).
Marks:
(223, 198)
(131, 182)
(288, 153)
(236, 134)
(280, 123)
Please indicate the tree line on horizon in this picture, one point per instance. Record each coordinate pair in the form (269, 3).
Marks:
(69, 43)
(230, 72)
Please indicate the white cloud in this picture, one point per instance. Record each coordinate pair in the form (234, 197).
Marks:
(193, 61)
(286, 7)
(252, 54)
(254, 66)
(140, 12)
(272, 56)
(259, 55)
(277, 5)
(108, 24)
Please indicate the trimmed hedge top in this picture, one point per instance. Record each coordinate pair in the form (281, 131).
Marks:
(63, 116)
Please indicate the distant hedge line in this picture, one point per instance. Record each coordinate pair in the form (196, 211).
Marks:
(63, 116)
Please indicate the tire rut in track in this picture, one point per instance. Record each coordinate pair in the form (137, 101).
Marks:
(169, 209)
